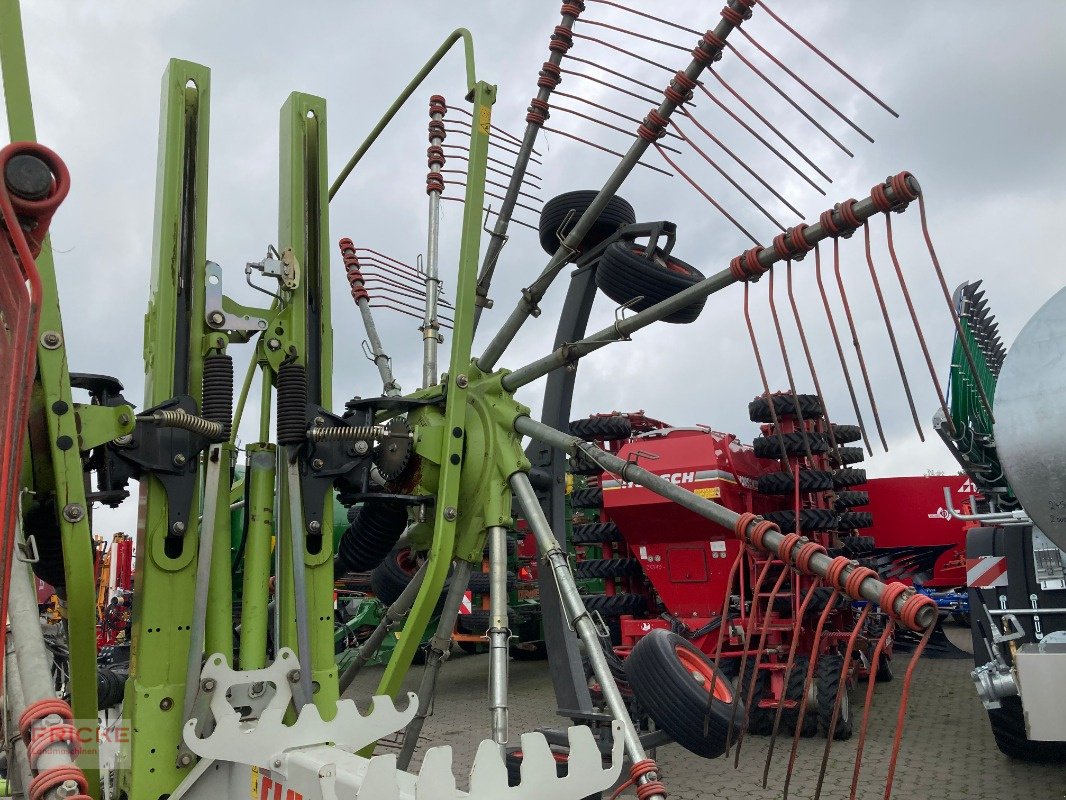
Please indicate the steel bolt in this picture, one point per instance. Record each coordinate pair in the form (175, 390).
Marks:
(462, 381)
(51, 340)
(277, 762)
(314, 526)
(450, 513)
(362, 448)
(185, 760)
(179, 460)
(123, 419)
(208, 685)
(178, 527)
(68, 789)
(166, 704)
(216, 318)
(320, 421)
(72, 512)
(274, 344)
(317, 463)
(125, 439)
(293, 676)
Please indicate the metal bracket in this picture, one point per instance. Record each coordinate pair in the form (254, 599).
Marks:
(98, 425)
(222, 313)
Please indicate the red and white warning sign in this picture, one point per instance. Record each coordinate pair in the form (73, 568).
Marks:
(467, 606)
(986, 572)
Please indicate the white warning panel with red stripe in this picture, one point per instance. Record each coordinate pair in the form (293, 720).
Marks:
(467, 606)
(986, 572)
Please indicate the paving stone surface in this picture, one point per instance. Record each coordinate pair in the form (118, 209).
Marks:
(947, 754)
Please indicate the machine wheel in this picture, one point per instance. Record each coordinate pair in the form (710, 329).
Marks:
(617, 214)
(858, 545)
(615, 605)
(513, 761)
(826, 679)
(846, 434)
(680, 689)
(811, 519)
(821, 599)
(391, 576)
(596, 533)
(810, 480)
(480, 584)
(884, 669)
(477, 621)
(607, 568)
(846, 500)
(593, 429)
(580, 465)
(625, 274)
(848, 455)
(1008, 727)
(794, 691)
(809, 405)
(796, 444)
(852, 520)
(589, 497)
(849, 477)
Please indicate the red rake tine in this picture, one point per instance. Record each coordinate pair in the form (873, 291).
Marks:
(839, 346)
(590, 118)
(891, 331)
(577, 138)
(670, 23)
(501, 131)
(624, 51)
(941, 398)
(758, 656)
(871, 682)
(490, 211)
(788, 374)
(638, 35)
(532, 197)
(769, 124)
(829, 607)
(726, 175)
(789, 665)
(723, 631)
(617, 113)
(901, 717)
(810, 359)
(842, 687)
(505, 146)
(765, 385)
(608, 84)
(703, 192)
(855, 341)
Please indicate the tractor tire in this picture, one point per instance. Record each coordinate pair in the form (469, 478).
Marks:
(795, 443)
(596, 533)
(617, 214)
(375, 527)
(588, 497)
(581, 465)
(809, 406)
(858, 545)
(41, 521)
(826, 680)
(1008, 728)
(810, 480)
(660, 669)
(845, 500)
(797, 679)
(760, 720)
(847, 455)
(480, 584)
(110, 686)
(513, 761)
(846, 434)
(512, 548)
(625, 274)
(820, 600)
(849, 477)
(391, 576)
(615, 605)
(811, 519)
(884, 669)
(607, 568)
(601, 429)
(477, 621)
(852, 520)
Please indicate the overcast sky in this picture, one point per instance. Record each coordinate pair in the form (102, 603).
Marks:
(979, 94)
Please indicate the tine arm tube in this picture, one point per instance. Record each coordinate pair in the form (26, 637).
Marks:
(499, 633)
(871, 588)
(299, 580)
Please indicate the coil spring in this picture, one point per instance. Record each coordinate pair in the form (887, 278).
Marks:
(292, 402)
(353, 433)
(218, 391)
(189, 422)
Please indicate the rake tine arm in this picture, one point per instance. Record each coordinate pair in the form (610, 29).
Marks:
(709, 48)
(765, 385)
(788, 373)
(362, 300)
(875, 662)
(748, 630)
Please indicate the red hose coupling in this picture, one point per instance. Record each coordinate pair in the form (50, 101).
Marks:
(35, 208)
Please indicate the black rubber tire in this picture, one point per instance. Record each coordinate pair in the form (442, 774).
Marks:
(810, 480)
(587, 497)
(42, 522)
(858, 545)
(846, 434)
(1008, 728)
(607, 568)
(760, 719)
(845, 500)
(479, 582)
(797, 679)
(796, 444)
(811, 519)
(848, 455)
(625, 274)
(884, 670)
(512, 548)
(581, 465)
(809, 405)
(601, 429)
(615, 605)
(617, 214)
(826, 679)
(391, 576)
(374, 530)
(110, 686)
(820, 599)
(513, 761)
(849, 477)
(853, 520)
(477, 621)
(664, 686)
(596, 533)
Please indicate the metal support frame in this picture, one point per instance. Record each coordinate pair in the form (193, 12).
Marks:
(499, 633)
